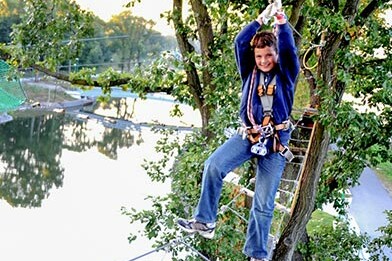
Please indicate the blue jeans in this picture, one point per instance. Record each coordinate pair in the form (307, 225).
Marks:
(230, 155)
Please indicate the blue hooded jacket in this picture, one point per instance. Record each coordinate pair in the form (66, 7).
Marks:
(286, 72)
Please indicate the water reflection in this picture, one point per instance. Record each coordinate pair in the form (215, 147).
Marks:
(30, 150)
(64, 179)
(30, 153)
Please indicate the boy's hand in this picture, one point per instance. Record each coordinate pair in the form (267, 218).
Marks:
(267, 14)
(280, 18)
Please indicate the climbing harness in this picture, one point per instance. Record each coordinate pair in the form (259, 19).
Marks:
(259, 135)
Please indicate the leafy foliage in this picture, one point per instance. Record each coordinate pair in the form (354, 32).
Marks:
(378, 245)
(204, 76)
(160, 220)
(46, 35)
(352, 246)
(9, 10)
(320, 247)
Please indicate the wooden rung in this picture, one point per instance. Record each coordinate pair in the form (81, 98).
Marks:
(232, 178)
(303, 127)
(247, 192)
(289, 180)
(311, 111)
(297, 150)
(278, 206)
(298, 140)
(282, 208)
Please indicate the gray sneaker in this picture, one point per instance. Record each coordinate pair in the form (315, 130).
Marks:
(206, 230)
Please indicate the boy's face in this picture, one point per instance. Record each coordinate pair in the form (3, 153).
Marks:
(266, 58)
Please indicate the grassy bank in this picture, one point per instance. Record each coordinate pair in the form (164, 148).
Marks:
(384, 173)
(37, 93)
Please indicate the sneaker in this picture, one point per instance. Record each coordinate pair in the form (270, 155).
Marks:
(255, 259)
(206, 230)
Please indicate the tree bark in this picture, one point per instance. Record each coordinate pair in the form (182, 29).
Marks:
(206, 37)
(186, 48)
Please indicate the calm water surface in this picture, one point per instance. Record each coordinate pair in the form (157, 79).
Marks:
(64, 179)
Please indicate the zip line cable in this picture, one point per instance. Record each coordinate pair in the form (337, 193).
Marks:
(196, 251)
(177, 241)
(97, 38)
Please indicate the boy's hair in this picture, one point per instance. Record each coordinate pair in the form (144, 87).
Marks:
(263, 39)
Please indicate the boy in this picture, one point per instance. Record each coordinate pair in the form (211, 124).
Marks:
(268, 65)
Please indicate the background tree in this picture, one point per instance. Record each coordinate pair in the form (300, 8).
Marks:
(140, 41)
(72, 39)
(53, 28)
(95, 51)
(9, 14)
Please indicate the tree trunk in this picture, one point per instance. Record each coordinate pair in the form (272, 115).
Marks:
(318, 145)
(196, 85)
(304, 205)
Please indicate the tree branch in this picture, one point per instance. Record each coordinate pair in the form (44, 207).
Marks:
(370, 8)
(94, 83)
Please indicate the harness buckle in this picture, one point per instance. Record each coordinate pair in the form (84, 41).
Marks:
(265, 131)
(260, 148)
(243, 131)
(288, 125)
(285, 152)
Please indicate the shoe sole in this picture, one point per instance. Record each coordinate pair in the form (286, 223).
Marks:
(207, 235)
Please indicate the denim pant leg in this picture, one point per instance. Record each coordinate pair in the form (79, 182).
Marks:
(226, 158)
(269, 173)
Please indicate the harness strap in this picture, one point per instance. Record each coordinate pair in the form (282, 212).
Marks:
(283, 126)
(254, 134)
(267, 98)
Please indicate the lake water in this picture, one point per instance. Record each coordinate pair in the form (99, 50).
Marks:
(64, 179)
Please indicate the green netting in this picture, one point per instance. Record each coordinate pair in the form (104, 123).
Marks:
(11, 91)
